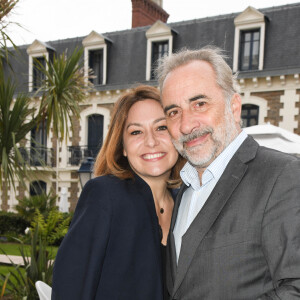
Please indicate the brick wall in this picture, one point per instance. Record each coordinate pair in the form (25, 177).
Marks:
(274, 105)
(21, 191)
(297, 117)
(4, 197)
(73, 190)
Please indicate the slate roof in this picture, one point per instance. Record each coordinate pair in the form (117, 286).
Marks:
(126, 63)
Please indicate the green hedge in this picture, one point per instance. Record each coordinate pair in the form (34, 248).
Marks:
(11, 222)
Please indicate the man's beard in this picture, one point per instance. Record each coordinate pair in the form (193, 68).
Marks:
(219, 138)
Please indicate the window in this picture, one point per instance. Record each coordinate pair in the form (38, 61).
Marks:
(37, 188)
(96, 64)
(93, 129)
(159, 50)
(38, 76)
(249, 40)
(95, 134)
(249, 47)
(249, 115)
(159, 43)
(38, 53)
(38, 149)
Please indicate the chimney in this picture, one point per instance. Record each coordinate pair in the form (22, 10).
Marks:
(147, 12)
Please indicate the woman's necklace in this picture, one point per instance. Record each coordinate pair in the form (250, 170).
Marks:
(162, 210)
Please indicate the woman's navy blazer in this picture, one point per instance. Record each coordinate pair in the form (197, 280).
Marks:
(112, 248)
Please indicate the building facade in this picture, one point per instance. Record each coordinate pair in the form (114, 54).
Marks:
(263, 48)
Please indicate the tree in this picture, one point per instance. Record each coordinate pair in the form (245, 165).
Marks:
(62, 92)
(16, 120)
(6, 7)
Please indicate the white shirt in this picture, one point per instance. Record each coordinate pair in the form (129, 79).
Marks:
(196, 195)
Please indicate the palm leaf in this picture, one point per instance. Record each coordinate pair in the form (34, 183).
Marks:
(62, 92)
(17, 120)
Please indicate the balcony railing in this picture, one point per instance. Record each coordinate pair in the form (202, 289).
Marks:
(78, 153)
(38, 156)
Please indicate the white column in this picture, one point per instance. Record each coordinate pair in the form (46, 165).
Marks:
(289, 110)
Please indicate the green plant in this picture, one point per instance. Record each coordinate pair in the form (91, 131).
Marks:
(38, 261)
(7, 269)
(53, 228)
(38, 265)
(28, 205)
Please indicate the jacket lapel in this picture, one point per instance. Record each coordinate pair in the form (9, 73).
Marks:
(171, 250)
(228, 182)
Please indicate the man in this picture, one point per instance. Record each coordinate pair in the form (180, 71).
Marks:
(235, 230)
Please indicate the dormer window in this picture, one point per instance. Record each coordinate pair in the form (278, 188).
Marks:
(159, 43)
(38, 53)
(95, 57)
(249, 40)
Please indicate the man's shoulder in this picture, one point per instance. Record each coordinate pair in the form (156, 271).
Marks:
(271, 163)
(276, 156)
(250, 150)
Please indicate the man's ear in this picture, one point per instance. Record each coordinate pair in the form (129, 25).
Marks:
(236, 107)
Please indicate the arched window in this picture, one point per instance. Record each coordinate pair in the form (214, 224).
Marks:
(95, 134)
(250, 115)
(37, 188)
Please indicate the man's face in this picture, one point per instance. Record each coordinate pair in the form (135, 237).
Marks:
(200, 122)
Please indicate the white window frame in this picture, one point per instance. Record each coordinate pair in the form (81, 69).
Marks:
(158, 32)
(35, 50)
(249, 19)
(95, 41)
(93, 110)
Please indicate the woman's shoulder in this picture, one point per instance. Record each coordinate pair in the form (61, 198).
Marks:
(110, 185)
(104, 179)
(101, 185)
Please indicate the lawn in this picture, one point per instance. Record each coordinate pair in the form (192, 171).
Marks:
(13, 248)
(5, 269)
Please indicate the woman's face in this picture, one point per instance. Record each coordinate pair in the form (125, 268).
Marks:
(147, 143)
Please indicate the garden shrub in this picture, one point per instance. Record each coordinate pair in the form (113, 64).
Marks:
(12, 224)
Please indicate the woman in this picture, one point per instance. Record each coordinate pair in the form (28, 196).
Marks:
(112, 249)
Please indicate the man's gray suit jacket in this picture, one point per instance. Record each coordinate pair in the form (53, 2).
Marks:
(245, 241)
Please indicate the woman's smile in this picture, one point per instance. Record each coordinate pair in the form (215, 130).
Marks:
(154, 156)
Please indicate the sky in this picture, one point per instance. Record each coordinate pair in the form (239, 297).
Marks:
(48, 20)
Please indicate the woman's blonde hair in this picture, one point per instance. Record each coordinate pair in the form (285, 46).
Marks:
(110, 159)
